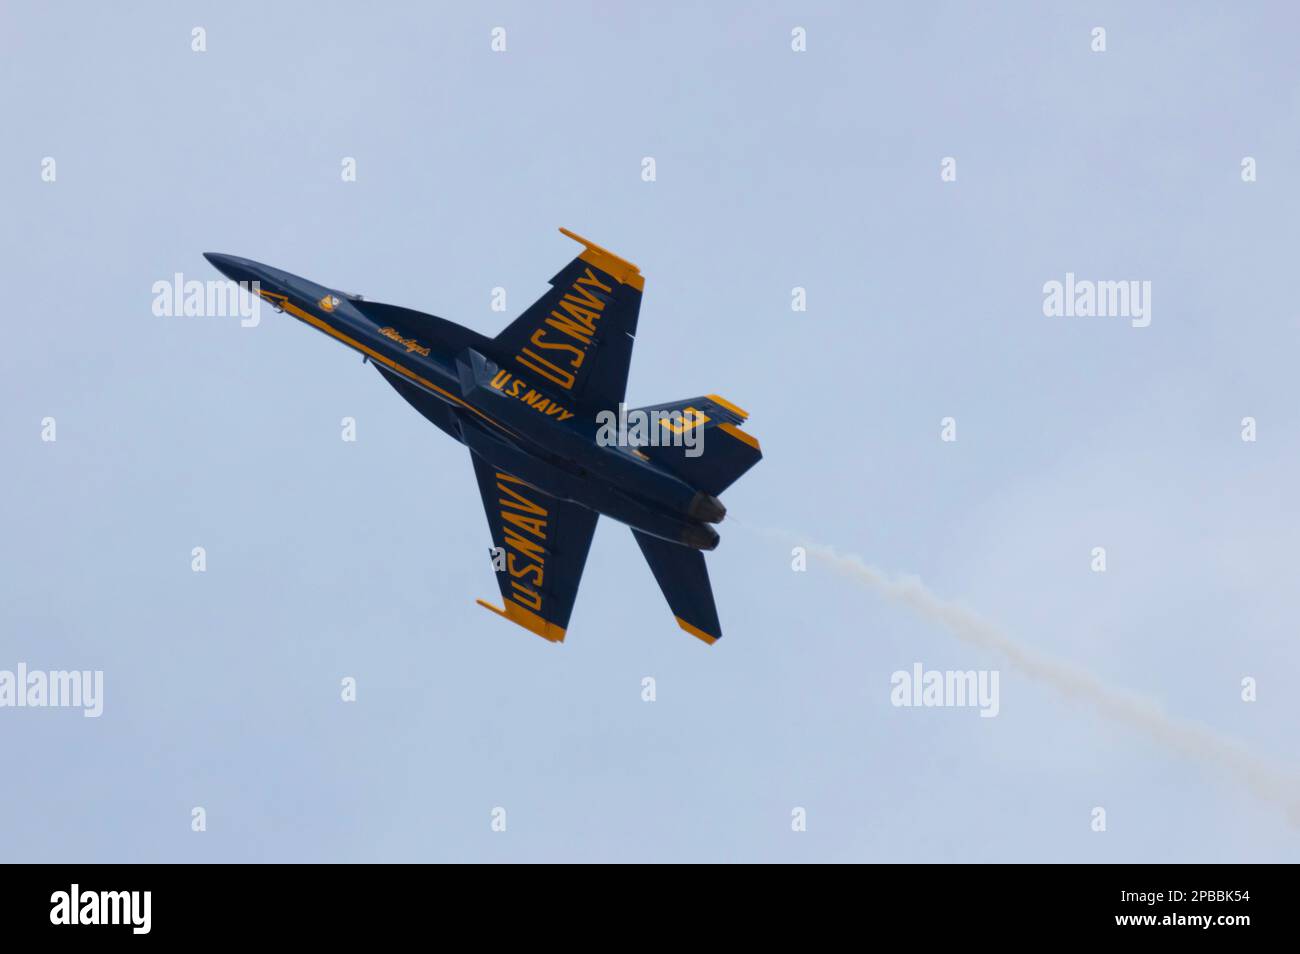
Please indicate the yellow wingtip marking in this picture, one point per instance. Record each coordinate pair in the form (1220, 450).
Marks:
(622, 270)
(526, 618)
(696, 631)
(729, 406)
(740, 435)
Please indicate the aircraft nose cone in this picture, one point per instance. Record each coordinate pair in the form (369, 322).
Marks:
(236, 269)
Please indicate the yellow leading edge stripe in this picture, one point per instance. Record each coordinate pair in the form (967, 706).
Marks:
(729, 406)
(738, 434)
(527, 619)
(695, 631)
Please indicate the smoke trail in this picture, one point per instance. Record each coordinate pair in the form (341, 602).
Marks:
(1264, 778)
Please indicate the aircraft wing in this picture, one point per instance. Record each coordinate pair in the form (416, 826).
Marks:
(575, 342)
(542, 546)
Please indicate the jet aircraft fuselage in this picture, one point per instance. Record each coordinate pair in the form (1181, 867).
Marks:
(554, 447)
(527, 403)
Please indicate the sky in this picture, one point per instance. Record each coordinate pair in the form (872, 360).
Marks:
(774, 169)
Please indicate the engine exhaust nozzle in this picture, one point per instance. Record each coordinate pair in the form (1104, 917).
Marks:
(699, 537)
(706, 507)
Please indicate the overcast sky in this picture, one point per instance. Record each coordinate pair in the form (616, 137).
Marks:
(775, 169)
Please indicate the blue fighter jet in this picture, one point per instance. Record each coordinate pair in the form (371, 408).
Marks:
(540, 407)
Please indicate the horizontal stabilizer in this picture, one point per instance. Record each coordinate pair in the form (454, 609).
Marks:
(684, 579)
(700, 440)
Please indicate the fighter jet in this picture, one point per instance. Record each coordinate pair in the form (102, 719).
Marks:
(534, 406)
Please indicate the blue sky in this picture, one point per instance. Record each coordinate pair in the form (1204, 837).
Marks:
(775, 169)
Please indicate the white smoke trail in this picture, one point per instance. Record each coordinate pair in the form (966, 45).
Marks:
(1264, 778)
